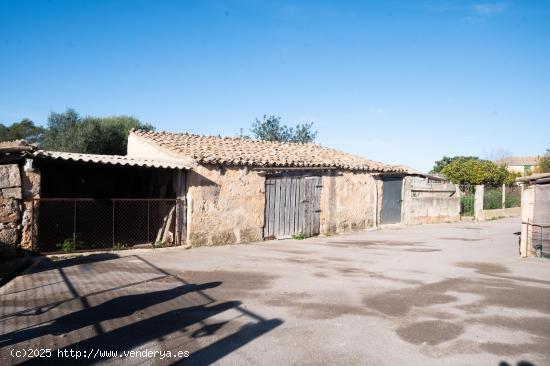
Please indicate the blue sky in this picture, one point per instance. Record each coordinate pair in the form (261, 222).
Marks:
(397, 81)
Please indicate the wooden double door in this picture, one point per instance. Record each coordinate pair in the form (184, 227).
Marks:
(292, 206)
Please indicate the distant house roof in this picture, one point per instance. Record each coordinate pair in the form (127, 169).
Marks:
(518, 160)
(258, 153)
(111, 159)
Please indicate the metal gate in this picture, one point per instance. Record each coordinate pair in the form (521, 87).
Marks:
(391, 200)
(292, 206)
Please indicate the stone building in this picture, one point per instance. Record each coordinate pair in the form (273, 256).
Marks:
(49, 198)
(180, 188)
(535, 215)
(243, 190)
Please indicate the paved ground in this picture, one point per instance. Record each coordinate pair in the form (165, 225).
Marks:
(450, 294)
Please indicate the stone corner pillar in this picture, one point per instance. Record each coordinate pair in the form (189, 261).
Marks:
(478, 202)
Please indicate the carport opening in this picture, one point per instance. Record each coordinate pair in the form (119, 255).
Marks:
(67, 179)
(87, 206)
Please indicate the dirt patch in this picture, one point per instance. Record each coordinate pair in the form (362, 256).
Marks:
(292, 251)
(539, 326)
(484, 267)
(507, 349)
(463, 239)
(336, 259)
(303, 260)
(234, 284)
(492, 292)
(495, 270)
(470, 227)
(351, 270)
(373, 243)
(400, 302)
(430, 332)
(300, 307)
(423, 250)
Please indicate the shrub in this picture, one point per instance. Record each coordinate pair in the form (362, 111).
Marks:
(492, 199)
(474, 172)
(118, 246)
(69, 245)
(298, 236)
(159, 244)
(467, 205)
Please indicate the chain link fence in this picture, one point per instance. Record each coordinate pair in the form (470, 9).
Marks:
(501, 196)
(467, 199)
(538, 239)
(73, 225)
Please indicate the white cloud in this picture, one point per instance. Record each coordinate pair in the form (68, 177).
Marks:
(489, 9)
(378, 111)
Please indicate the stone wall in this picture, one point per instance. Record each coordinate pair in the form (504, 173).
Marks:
(348, 202)
(225, 205)
(17, 188)
(499, 213)
(429, 202)
(10, 204)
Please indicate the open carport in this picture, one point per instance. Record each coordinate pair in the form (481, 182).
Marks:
(450, 294)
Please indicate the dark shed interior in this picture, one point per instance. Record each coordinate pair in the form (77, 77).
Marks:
(86, 206)
(69, 179)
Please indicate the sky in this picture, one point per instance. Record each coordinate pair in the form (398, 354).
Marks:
(402, 82)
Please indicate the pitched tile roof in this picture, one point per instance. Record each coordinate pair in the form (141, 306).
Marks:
(258, 153)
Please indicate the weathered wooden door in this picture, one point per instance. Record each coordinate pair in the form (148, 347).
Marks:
(292, 206)
(391, 200)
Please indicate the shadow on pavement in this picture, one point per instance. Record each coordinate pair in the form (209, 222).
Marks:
(123, 323)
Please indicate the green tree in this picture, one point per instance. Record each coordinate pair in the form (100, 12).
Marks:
(446, 160)
(24, 129)
(475, 171)
(67, 131)
(544, 162)
(269, 128)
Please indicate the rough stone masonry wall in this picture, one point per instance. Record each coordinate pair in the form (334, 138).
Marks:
(17, 189)
(225, 205)
(427, 203)
(348, 202)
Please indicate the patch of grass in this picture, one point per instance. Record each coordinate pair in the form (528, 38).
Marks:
(496, 218)
(467, 205)
(298, 236)
(118, 246)
(159, 244)
(70, 245)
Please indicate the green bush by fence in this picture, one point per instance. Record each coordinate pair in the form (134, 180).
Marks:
(467, 205)
(492, 199)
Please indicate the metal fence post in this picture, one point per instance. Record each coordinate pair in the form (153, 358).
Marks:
(541, 242)
(113, 224)
(148, 221)
(503, 195)
(74, 224)
(33, 244)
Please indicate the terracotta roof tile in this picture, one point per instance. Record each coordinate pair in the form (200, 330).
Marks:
(258, 153)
